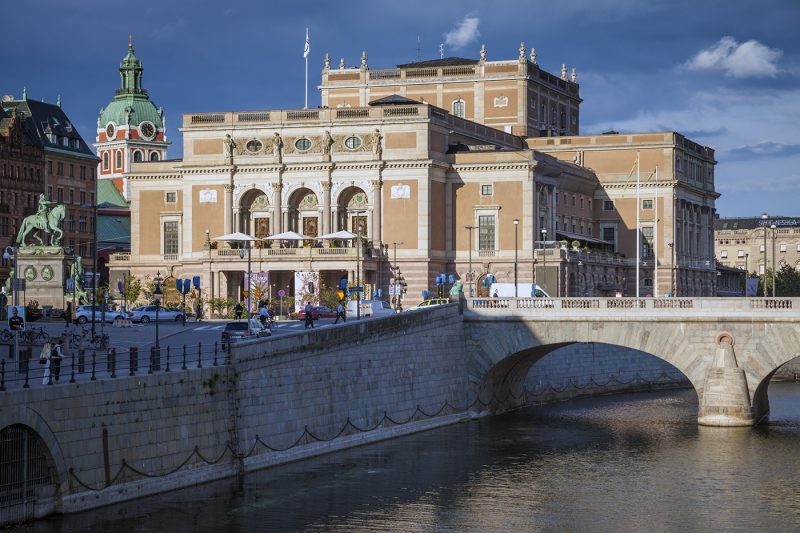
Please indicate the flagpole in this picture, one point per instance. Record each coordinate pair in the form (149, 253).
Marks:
(655, 240)
(305, 55)
(638, 229)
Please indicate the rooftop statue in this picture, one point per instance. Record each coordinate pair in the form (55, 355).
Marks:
(44, 221)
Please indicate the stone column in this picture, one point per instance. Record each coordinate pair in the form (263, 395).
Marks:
(726, 399)
(276, 208)
(377, 207)
(228, 208)
(326, 206)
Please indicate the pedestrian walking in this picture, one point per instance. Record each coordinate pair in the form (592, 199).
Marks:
(237, 311)
(56, 355)
(340, 313)
(199, 312)
(309, 309)
(44, 359)
(68, 314)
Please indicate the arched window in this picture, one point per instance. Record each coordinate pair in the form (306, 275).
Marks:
(105, 161)
(154, 156)
(137, 156)
(119, 159)
(459, 108)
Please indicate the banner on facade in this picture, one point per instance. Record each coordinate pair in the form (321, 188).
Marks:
(258, 283)
(751, 289)
(306, 289)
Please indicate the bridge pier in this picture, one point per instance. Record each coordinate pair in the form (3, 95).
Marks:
(726, 399)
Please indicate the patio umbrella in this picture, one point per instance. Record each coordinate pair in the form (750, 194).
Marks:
(338, 235)
(288, 236)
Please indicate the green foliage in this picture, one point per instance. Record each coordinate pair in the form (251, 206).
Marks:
(133, 289)
(787, 282)
(222, 307)
(328, 297)
(32, 306)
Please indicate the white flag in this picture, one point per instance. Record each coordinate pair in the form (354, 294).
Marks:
(307, 48)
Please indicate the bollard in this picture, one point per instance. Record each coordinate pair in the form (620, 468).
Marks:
(215, 353)
(112, 361)
(155, 358)
(72, 378)
(134, 360)
(94, 360)
(167, 369)
(81, 361)
(25, 359)
(2, 376)
(184, 358)
(199, 355)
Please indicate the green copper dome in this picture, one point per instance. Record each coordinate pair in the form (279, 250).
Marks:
(131, 103)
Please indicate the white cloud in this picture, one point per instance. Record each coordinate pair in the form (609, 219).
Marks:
(464, 33)
(740, 60)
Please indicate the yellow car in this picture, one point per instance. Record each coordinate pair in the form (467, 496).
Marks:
(430, 303)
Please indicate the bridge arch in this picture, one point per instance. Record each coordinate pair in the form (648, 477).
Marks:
(32, 464)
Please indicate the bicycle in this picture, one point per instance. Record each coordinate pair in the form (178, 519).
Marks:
(99, 341)
(33, 335)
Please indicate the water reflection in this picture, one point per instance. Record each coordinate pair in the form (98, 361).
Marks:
(630, 462)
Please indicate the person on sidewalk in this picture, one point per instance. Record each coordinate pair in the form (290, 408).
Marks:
(237, 311)
(340, 313)
(56, 356)
(309, 310)
(44, 359)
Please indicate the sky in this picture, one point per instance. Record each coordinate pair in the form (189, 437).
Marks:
(724, 73)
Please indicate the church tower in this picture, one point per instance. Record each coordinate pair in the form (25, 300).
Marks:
(130, 128)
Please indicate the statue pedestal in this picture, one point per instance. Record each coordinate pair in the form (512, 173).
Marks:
(44, 269)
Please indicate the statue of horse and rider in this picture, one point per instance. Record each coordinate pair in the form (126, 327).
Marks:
(44, 221)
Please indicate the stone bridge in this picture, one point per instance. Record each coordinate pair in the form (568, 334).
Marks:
(728, 348)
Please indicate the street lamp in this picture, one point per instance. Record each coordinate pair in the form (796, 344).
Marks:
(157, 292)
(544, 256)
(764, 219)
(672, 268)
(358, 263)
(13, 251)
(249, 276)
(516, 228)
(773, 227)
(395, 275)
(469, 273)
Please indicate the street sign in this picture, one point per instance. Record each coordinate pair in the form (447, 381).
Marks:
(353, 290)
(281, 293)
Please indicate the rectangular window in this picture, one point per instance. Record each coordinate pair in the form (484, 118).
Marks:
(60, 169)
(72, 196)
(608, 205)
(486, 232)
(60, 198)
(49, 167)
(171, 237)
(82, 224)
(573, 200)
(83, 173)
(647, 204)
(723, 254)
(171, 197)
(581, 202)
(71, 171)
(647, 241)
(83, 197)
(609, 234)
(783, 247)
(761, 248)
(565, 198)
(486, 190)
(740, 253)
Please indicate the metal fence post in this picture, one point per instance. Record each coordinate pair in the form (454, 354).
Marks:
(167, 369)
(199, 355)
(215, 353)
(81, 361)
(94, 361)
(2, 376)
(134, 360)
(112, 361)
(184, 358)
(72, 366)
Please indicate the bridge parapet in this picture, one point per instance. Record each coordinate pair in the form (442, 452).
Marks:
(544, 308)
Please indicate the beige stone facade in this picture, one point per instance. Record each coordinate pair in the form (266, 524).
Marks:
(433, 193)
(758, 244)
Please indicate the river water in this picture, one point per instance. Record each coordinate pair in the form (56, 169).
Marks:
(632, 462)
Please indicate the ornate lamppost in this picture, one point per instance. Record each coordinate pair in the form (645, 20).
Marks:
(158, 292)
(470, 274)
(764, 219)
(544, 256)
(395, 276)
(773, 227)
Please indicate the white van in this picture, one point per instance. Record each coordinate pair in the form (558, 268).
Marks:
(524, 290)
(369, 308)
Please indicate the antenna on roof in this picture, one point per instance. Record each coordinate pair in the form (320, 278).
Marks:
(419, 49)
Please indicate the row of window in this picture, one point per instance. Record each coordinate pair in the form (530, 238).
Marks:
(741, 253)
(22, 173)
(66, 142)
(608, 205)
(693, 168)
(580, 201)
(84, 172)
(60, 196)
(138, 157)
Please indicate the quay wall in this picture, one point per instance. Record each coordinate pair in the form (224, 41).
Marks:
(284, 399)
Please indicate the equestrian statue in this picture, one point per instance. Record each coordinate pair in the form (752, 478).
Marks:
(44, 221)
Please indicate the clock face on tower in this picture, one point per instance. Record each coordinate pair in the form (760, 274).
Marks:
(147, 130)
(110, 130)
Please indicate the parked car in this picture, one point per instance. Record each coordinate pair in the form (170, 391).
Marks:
(432, 302)
(84, 314)
(234, 331)
(147, 314)
(320, 311)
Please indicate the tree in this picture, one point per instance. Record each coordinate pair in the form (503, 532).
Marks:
(132, 289)
(787, 282)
